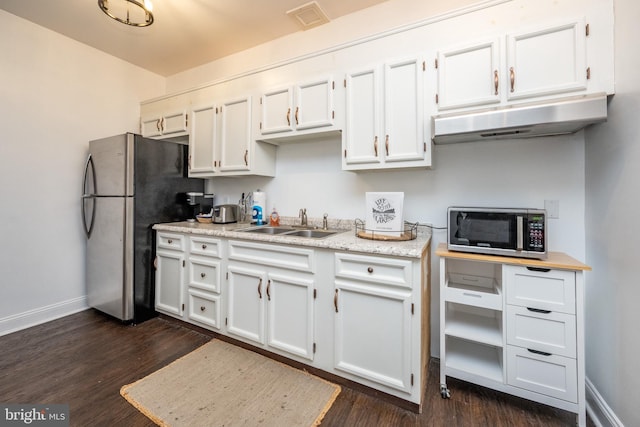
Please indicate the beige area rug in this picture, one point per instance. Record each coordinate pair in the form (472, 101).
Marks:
(220, 384)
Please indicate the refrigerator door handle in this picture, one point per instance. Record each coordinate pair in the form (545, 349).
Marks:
(88, 196)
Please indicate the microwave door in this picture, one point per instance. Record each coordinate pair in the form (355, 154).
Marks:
(485, 230)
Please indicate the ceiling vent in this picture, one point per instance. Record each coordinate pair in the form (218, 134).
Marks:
(309, 15)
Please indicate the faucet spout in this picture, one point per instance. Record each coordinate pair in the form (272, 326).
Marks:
(303, 217)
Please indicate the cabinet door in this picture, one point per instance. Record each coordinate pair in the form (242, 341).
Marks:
(277, 111)
(469, 75)
(404, 131)
(548, 61)
(174, 122)
(150, 126)
(290, 314)
(373, 333)
(361, 143)
(236, 135)
(246, 300)
(314, 104)
(169, 282)
(202, 140)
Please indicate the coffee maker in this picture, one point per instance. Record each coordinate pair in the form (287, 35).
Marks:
(191, 200)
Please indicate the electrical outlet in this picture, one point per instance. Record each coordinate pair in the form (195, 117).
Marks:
(553, 208)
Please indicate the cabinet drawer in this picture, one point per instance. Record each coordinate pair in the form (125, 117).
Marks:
(287, 257)
(205, 246)
(204, 308)
(204, 273)
(170, 241)
(548, 332)
(552, 375)
(473, 290)
(385, 271)
(552, 290)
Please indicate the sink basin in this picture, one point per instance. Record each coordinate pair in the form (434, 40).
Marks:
(316, 234)
(265, 230)
(289, 231)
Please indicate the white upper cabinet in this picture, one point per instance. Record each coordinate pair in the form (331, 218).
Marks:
(221, 143)
(531, 64)
(236, 135)
(166, 118)
(384, 125)
(203, 141)
(296, 110)
(469, 75)
(547, 61)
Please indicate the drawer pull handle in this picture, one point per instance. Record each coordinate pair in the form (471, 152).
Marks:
(202, 275)
(538, 310)
(204, 246)
(370, 270)
(541, 353)
(539, 269)
(470, 279)
(202, 308)
(335, 300)
(469, 294)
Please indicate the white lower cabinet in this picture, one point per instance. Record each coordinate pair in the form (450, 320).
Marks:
(170, 262)
(373, 306)
(188, 278)
(270, 296)
(358, 316)
(514, 328)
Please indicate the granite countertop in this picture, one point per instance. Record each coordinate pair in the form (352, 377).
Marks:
(344, 240)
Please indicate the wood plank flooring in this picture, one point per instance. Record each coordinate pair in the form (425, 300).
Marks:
(85, 358)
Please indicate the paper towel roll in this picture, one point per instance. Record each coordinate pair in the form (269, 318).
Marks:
(259, 206)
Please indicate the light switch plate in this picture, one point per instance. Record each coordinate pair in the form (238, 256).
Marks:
(553, 208)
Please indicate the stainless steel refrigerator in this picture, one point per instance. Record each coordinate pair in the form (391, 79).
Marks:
(130, 183)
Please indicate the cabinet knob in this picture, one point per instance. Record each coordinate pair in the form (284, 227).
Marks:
(370, 269)
(170, 241)
(204, 246)
(202, 275)
(202, 308)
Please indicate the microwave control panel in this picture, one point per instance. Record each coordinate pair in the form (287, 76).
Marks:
(535, 225)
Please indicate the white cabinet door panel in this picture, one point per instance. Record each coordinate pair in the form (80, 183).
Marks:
(290, 314)
(547, 61)
(363, 115)
(373, 333)
(246, 298)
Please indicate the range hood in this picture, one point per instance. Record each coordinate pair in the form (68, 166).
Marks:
(555, 117)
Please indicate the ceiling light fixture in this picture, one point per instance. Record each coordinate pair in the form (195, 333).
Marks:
(130, 12)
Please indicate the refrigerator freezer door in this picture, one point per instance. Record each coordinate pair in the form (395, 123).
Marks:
(110, 257)
(112, 160)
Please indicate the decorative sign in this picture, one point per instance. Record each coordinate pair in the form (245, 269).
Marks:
(384, 213)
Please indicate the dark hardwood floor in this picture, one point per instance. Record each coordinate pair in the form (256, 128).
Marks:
(83, 360)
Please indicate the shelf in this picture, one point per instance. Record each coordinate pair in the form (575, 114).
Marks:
(486, 329)
(475, 359)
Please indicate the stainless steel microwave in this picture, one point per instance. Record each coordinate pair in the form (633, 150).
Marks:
(498, 231)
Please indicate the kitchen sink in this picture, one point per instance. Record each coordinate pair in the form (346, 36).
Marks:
(316, 234)
(265, 230)
(289, 231)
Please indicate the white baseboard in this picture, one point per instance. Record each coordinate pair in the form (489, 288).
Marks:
(41, 315)
(599, 411)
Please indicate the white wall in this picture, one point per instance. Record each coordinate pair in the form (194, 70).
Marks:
(612, 201)
(56, 94)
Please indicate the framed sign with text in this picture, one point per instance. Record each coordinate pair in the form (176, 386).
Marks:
(384, 213)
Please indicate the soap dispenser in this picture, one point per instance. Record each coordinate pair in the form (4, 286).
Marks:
(274, 219)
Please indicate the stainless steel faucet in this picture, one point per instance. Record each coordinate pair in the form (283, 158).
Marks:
(303, 217)
(325, 223)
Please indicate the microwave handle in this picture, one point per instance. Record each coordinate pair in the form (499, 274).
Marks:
(520, 233)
